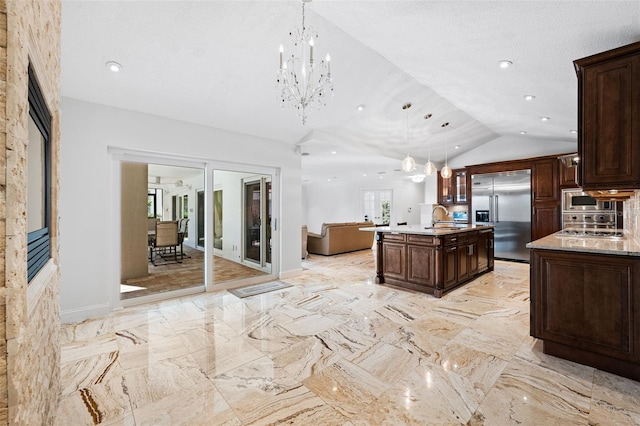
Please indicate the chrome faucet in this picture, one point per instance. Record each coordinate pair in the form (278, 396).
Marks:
(438, 206)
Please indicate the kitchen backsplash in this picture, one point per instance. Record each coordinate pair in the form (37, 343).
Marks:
(632, 216)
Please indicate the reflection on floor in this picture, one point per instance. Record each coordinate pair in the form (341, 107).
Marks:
(189, 273)
(334, 349)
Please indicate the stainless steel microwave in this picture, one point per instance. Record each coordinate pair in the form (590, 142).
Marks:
(577, 200)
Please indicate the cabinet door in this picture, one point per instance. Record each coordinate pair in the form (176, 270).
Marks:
(587, 301)
(472, 258)
(450, 267)
(545, 183)
(460, 186)
(545, 220)
(568, 177)
(394, 261)
(445, 190)
(463, 263)
(453, 190)
(421, 265)
(609, 119)
(482, 255)
(490, 251)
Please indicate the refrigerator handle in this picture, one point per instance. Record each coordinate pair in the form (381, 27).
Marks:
(490, 208)
(496, 209)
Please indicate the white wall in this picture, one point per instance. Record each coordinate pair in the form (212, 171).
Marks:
(511, 148)
(85, 196)
(337, 201)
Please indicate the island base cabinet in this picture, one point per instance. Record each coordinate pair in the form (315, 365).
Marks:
(421, 265)
(394, 255)
(586, 308)
(427, 263)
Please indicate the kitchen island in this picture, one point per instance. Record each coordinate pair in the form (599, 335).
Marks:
(432, 260)
(585, 300)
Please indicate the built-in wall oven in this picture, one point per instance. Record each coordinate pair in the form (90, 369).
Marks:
(575, 200)
(580, 211)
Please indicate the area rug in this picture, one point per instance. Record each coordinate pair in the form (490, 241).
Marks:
(252, 290)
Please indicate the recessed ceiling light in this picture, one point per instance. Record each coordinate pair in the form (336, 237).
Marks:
(529, 97)
(334, 152)
(380, 176)
(365, 175)
(522, 132)
(505, 64)
(113, 66)
(456, 147)
(573, 131)
(361, 107)
(545, 118)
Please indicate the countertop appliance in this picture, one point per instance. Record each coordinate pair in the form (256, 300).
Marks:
(504, 200)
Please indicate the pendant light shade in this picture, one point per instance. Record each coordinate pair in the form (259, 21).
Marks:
(446, 172)
(408, 164)
(429, 168)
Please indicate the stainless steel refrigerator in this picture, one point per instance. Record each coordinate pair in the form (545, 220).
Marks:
(504, 200)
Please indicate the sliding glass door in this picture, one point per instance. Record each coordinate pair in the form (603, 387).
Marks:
(257, 220)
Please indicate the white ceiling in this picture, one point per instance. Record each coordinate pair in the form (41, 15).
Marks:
(215, 63)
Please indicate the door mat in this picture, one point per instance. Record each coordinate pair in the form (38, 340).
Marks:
(252, 290)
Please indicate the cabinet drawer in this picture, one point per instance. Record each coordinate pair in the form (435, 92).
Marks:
(423, 239)
(394, 237)
(472, 236)
(451, 239)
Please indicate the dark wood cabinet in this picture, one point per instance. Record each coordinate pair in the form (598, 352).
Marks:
(433, 264)
(546, 201)
(421, 264)
(450, 267)
(394, 265)
(545, 182)
(546, 219)
(467, 256)
(568, 176)
(453, 190)
(586, 308)
(609, 119)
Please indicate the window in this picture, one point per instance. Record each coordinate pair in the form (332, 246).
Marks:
(154, 203)
(376, 206)
(38, 180)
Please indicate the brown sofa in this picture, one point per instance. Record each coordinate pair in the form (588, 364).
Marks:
(340, 238)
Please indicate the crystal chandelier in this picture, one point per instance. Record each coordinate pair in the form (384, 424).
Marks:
(303, 83)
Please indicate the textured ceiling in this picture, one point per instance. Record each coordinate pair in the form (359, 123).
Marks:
(215, 63)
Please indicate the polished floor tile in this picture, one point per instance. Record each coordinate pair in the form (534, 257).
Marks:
(333, 349)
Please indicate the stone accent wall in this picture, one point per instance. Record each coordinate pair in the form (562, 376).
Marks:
(632, 216)
(29, 315)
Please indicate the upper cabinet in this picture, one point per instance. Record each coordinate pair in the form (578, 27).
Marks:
(609, 119)
(453, 190)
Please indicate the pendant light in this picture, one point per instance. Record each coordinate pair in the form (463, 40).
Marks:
(429, 168)
(408, 164)
(446, 170)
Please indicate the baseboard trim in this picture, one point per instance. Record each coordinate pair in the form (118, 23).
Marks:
(84, 313)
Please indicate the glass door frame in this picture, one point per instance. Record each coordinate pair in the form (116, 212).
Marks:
(119, 155)
(266, 204)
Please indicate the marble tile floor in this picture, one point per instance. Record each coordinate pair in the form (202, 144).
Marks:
(334, 349)
(190, 273)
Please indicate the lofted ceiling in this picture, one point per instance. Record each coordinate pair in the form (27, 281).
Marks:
(215, 63)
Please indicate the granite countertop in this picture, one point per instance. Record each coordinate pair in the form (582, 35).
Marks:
(625, 246)
(443, 229)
